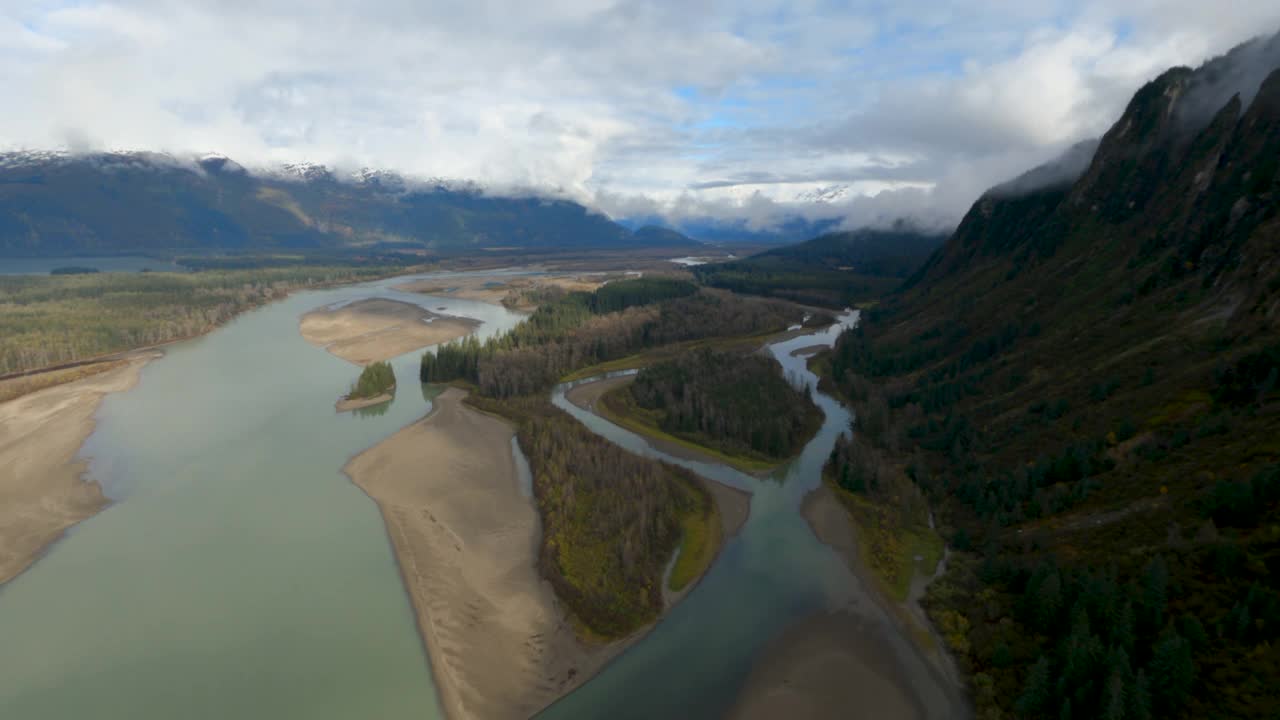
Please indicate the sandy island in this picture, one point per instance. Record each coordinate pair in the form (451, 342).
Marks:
(41, 489)
(467, 540)
(376, 329)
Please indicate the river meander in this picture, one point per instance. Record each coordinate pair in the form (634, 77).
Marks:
(239, 574)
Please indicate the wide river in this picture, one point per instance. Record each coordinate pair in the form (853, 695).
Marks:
(239, 574)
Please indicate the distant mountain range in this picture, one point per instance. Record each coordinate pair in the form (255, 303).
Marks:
(792, 229)
(55, 203)
(835, 269)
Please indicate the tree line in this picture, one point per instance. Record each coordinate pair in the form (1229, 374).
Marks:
(610, 519)
(54, 319)
(734, 403)
(375, 379)
(569, 335)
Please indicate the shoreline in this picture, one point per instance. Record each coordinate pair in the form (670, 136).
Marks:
(379, 328)
(44, 485)
(346, 404)
(830, 523)
(500, 643)
(465, 541)
(127, 353)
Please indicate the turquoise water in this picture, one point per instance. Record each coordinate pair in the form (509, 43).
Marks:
(239, 574)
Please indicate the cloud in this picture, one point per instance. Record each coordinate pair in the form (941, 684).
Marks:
(679, 109)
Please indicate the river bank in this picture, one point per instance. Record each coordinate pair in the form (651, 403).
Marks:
(834, 527)
(466, 540)
(42, 492)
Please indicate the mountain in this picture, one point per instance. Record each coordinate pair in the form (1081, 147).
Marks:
(833, 270)
(106, 203)
(895, 252)
(1084, 380)
(790, 229)
(658, 236)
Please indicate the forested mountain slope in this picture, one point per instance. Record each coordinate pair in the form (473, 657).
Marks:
(107, 203)
(834, 270)
(1084, 379)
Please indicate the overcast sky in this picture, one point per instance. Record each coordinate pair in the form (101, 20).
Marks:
(679, 108)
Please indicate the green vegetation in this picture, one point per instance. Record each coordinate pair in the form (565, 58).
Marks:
(16, 387)
(375, 379)
(619, 408)
(701, 536)
(890, 514)
(1083, 383)
(739, 405)
(584, 329)
(610, 520)
(836, 270)
(53, 320)
(73, 270)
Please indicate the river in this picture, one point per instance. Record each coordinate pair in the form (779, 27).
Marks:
(772, 573)
(240, 574)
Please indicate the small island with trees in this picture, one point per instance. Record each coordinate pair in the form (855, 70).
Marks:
(376, 385)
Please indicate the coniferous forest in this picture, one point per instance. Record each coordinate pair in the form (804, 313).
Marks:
(739, 405)
(611, 520)
(375, 379)
(1083, 381)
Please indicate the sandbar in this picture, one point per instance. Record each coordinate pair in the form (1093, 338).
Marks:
(378, 329)
(42, 492)
(467, 539)
(347, 404)
(827, 666)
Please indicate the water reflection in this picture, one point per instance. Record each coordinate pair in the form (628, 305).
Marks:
(372, 411)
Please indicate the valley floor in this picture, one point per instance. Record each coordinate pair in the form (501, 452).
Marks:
(41, 490)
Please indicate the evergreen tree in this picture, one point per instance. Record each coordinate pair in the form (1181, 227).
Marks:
(1172, 673)
(1038, 692)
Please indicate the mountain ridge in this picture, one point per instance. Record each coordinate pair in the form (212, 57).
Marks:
(59, 203)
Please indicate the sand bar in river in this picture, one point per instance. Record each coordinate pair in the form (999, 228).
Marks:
(467, 539)
(378, 329)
